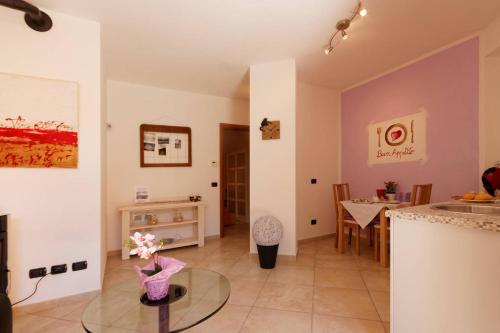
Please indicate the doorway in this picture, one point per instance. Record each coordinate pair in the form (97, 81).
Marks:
(234, 160)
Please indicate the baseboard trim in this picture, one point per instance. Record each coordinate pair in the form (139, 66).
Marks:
(56, 302)
(306, 240)
(212, 237)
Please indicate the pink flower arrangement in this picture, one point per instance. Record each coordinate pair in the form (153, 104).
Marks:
(145, 248)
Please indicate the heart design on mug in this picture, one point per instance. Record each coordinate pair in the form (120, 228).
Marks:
(396, 135)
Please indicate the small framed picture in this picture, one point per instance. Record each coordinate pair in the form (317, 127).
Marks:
(141, 194)
(165, 146)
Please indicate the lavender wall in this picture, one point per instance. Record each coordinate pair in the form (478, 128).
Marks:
(447, 86)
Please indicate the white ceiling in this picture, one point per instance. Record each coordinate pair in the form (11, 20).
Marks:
(207, 46)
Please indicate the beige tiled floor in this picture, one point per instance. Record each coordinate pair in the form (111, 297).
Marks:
(320, 291)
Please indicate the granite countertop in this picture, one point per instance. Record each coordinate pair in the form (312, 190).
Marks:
(428, 214)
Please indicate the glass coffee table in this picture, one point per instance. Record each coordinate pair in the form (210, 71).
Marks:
(195, 295)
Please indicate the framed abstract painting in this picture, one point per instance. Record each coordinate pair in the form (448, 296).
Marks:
(38, 122)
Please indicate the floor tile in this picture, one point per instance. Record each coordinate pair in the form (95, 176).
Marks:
(382, 303)
(369, 264)
(344, 302)
(61, 326)
(292, 275)
(245, 291)
(376, 281)
(336, 261)
(304, 260)
(30, 323)
(307, 248)
(248, 268)
(319, 290)
(229, 319)
(332, 324)
(339, 278)
(276, 321)
(283, 296)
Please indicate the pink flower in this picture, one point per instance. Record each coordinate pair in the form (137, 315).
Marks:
(149, 239)
(138, 239)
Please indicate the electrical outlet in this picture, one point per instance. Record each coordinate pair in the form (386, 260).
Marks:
(58, 269)
(314, 181)
(313, 222)
(38, 272)
(79, 265)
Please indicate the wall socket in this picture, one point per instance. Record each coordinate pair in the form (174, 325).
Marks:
(79, 265)
(314, 181)
(37, 272)
(313, 222)
(58, 269)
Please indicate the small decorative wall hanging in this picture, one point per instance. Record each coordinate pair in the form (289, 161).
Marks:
(270, 129)
(398, 140)
(165, 146)
(38, 122)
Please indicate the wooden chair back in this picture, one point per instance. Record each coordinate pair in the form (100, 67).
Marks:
(340, 193)
(421, 194)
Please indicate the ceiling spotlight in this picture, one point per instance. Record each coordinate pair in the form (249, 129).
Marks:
(343, 25)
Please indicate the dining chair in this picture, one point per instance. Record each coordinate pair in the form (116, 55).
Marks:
(341, 193)
(420, 195)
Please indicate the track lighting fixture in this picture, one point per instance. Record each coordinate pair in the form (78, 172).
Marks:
(343, 25)
(34, 17)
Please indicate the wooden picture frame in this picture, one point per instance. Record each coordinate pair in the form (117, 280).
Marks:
(165, 146)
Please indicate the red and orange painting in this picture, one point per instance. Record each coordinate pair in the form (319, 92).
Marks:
(38, 123)
(45, 144)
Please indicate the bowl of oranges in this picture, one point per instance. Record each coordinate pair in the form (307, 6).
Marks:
(480, 197)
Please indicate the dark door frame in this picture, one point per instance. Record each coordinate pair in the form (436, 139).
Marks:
(222, 162)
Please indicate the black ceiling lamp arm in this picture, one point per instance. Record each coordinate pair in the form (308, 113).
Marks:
(34, 17)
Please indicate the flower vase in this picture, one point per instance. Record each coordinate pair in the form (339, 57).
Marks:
(156, 286)
(391, 196)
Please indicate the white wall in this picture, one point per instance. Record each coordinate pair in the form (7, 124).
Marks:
(489, 104)
(489, 84)
(318, 156)
(55, 213)
(492, 108)
(130, 105)
(272, 162)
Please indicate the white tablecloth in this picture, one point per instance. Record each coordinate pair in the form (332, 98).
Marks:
(364, 213)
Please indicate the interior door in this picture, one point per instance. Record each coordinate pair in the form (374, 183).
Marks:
(236, 185)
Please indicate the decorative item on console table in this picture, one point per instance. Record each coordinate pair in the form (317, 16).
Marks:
(390, 190)
(154, 277)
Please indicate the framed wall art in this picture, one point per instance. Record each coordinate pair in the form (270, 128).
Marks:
(398, 140)
(38, 122)
(165, 146)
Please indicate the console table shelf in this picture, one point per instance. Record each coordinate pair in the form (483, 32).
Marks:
(197, 222)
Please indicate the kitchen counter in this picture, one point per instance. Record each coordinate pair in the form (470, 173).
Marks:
(432, 215)
(445, 271)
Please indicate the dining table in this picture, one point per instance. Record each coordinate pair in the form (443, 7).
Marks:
(363, 212)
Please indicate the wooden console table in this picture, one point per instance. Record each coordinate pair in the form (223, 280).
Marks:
(197, 222)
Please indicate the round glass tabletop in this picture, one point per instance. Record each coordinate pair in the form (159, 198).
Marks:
(195, 295)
